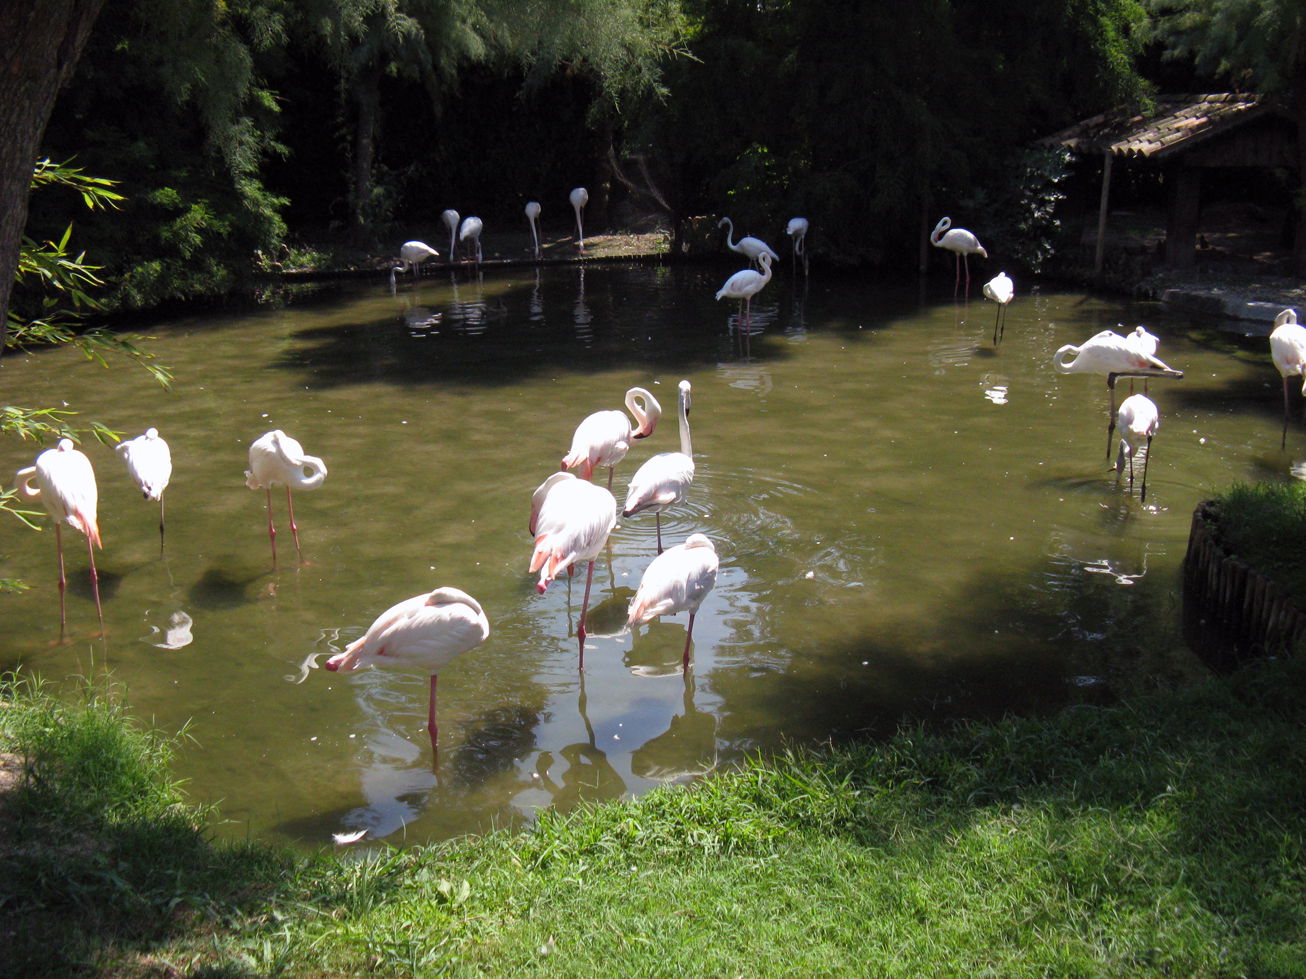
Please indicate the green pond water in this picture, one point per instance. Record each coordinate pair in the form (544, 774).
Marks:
(912, 523)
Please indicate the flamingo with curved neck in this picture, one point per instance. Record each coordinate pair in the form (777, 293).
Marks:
(276, 459)
(754, 248)
(962, 244)
(603, 438)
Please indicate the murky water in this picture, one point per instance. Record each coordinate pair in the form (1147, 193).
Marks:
(911, 522)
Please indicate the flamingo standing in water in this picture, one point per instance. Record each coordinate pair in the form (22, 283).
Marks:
(1138, 421)
(65, 485)
(532, 218)
(570, 521)
(962, 244)
(1113, 355)
(744, 285)
(275, 459)
(579, 197)
(677, 580)
(1000, 289)
(411, 256)
(450, 217)
(797, 231)
(1288, 351)
(471, 228)
(663, 479)
(754, 248)
(603, 438)
(421, 633)
(149, 462)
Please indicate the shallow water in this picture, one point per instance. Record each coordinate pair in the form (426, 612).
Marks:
(912, 522)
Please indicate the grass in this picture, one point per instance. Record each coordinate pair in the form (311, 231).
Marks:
(1263, 524)
(1162, 837)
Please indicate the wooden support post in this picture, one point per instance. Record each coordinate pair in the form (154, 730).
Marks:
(1102, 208)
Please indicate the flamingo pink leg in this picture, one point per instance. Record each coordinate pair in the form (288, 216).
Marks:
(689, 636)
(63, 581)
(658, 516)
(272, 530)
(431, 728)
(584, 607)
(294, 530)
(95, 583)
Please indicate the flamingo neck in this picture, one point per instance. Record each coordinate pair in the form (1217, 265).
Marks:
(686, 446)
(936, 235)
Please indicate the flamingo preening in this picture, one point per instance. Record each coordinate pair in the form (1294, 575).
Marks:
(570, 522)
(603, 438)
(275, 459)
(149, 461)
(65, 485)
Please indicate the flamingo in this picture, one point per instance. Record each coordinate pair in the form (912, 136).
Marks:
(471, 228)
(1288, 350)
(570, 521)
(450, 218)
(150, 463)
(797, 230)
(663, 479)
(745, 284)
(275, 459)
(1000, 289)
(533, 216)
(579, 197)
(603, 438)
(411, 255)
(754, 248)
(1113, 355)
(65, 485)
(1138, 420)
(422, 633)
(962, 244)
(677, 580)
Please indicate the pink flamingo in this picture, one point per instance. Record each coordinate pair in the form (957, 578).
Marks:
(677, 580)
(603, 438)
(275, 459)
(962, 244)
(149, 461)
(663, 479)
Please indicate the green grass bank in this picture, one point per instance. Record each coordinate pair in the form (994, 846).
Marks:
(1161, 837)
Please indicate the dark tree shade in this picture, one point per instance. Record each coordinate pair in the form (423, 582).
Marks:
(41, 47)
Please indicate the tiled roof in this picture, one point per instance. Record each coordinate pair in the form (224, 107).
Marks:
(1175, 124)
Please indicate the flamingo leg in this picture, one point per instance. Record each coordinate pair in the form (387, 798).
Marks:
(956, 274)
(1142, 498)
(1283, 441)
(272, 530)
(584, 607)
(160, 525)
(689, 636)
(965, 259)
(658, 517)
(1111, 412)
(95, 583)
(63, 581)
(611, 470)
(996, 317)
(294, 530)
(431, 727)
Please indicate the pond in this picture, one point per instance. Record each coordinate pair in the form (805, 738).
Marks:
(912, 522)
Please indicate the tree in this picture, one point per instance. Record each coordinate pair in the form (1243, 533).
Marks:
(1258, 46)
(42, 44)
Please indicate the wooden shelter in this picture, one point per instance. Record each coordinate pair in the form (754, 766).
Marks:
(1187, 135)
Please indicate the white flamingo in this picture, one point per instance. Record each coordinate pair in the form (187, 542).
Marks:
(1138, 421)
(532, 218)
(962, 244)
(471, 228)
(1000, 289)
(570, 521)
(677, 580)
(1288, 350)
(65, 485)
(754, 248)
(149, 461)
(421, 633)
(275, 459)
(797, 231)
(1110, 354)
(579, 197)
(744, 285)
(603, 438)
(411, 256)
(663, 479)
(450, 217)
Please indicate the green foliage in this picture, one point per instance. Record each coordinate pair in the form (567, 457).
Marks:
(1262, 523)
(1258, 45)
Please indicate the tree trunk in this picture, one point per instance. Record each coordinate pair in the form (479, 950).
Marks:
(1299, 243)
(367, 98)
(42, 42)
